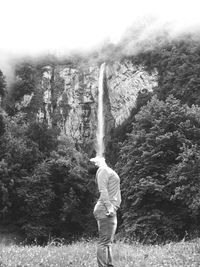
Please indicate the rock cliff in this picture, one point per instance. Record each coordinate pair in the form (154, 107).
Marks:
(69, 97)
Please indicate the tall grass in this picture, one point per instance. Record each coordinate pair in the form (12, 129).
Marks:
(84, 254)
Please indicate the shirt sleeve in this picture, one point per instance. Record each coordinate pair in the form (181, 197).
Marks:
(102, 180)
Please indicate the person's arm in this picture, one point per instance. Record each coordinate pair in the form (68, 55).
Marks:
(102, 180)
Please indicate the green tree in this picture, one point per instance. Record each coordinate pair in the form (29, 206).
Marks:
(74, 189)
(35, 195)
(177, 63)
(18, 158)
(44, 136)
(152, 150)
(2, 84)
(25, 81)
(184, 182)
(58, 196)
(2, 122)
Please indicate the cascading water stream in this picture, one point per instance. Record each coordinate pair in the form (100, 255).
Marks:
(100, 115)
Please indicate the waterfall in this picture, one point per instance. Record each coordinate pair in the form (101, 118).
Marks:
(100, 115)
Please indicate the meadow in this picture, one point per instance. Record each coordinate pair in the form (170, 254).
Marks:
(83, 254)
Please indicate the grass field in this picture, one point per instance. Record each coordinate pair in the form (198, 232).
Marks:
(83, 254)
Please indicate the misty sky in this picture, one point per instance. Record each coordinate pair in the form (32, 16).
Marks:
(35, 26)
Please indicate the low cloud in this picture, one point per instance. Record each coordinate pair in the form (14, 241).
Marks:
(100, 29)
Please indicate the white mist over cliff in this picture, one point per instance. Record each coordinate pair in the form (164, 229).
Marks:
(34, 27)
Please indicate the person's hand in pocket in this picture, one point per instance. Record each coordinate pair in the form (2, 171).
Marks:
(110, 212)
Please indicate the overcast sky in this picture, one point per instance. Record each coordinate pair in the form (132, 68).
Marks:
(35, 26)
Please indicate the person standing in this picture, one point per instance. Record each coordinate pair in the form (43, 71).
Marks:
(105, 210)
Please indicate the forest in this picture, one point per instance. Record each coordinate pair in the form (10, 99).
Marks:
(47, 190)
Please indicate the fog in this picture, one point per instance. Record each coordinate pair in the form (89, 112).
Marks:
(60, 27)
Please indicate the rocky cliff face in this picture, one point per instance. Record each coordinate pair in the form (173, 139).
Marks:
(69, 97)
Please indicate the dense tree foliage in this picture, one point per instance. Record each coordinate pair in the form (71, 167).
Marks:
(177, 63)
(45, 187)
(23, 85)
(25, 81)
(2, 84)
(119, 134)
(154, 160)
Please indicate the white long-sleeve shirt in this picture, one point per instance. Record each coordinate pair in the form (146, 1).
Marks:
(109, 188)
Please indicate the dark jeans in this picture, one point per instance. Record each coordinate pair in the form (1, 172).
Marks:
(107, 228)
